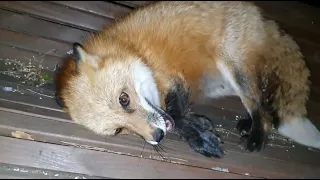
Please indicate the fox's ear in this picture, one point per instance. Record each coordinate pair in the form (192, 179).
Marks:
(78, 53)
(82, 56)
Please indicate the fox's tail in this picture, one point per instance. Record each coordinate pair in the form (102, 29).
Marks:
(302, 132)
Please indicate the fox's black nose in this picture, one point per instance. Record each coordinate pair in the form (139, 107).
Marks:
(158, 135)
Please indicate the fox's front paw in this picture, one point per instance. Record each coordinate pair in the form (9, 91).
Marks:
(205, 143)
(197, 130)
(201, 136)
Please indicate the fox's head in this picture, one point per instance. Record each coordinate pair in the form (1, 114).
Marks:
(112, 94)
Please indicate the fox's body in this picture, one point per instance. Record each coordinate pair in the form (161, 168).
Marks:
(216, 49)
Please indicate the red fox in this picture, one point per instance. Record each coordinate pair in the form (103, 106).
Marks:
(140, 74)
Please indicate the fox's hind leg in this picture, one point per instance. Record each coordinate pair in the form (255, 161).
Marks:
(247, 87)
(256, 137)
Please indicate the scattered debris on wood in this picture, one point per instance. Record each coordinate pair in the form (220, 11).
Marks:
(22, 135)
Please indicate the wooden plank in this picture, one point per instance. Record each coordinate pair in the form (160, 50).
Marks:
(101, 8)
(34, 110)
(15, 54)
(49, 30)
(261, 165)
(39, 45)
(9, 171)
(133, 4)
(57, 13)
(40, 97)
(76, 160)
(12, 81)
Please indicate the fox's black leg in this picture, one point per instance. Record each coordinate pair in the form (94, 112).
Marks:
(250, 94)
(196, 129)
(257, 92)
(255, 139)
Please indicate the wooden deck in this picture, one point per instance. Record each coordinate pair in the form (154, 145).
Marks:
(39, 140)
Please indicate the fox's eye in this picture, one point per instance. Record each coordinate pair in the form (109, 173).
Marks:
(117, 131)
(124, 100)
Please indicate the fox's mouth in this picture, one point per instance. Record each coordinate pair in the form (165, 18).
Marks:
(167, 119)
(169, 122)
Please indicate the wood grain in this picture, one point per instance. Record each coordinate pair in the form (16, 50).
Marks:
(133, 4)
(40, 28)
(76, 160)
(11, 171)
(101, 8)
(29, 95)
(34, 110)
(33, 43)
(57, 13)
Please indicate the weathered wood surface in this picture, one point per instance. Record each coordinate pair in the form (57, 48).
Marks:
(11, 171)
(95, 162)
(42, 33)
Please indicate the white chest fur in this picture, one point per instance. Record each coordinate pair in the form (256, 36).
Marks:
(216, 87)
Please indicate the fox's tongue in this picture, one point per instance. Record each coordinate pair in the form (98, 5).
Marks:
(169, 125)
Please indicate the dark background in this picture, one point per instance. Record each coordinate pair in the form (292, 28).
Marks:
(312, 3)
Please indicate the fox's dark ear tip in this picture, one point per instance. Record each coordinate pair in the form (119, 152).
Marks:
(76, 45)
(59, 100)
(78, 52)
